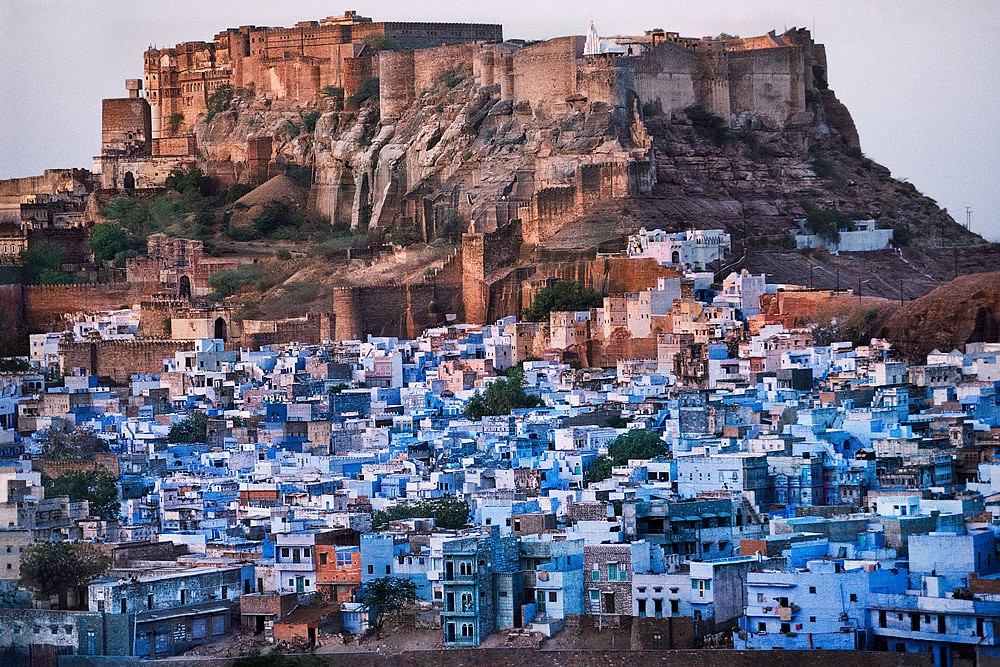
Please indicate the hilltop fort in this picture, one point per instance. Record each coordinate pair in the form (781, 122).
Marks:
(517, 163)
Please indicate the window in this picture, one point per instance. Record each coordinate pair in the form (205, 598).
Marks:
(595, 575)
(612, 571)
(761, 626)
(552, 596)
(642, 608)
(812, 589)
(854, 597)
(674, 606)
(284, 552)
(322, 559)
(387, 571)
(595, 596)
(371, 569)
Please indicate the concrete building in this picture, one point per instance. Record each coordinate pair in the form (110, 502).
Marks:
(823, 606)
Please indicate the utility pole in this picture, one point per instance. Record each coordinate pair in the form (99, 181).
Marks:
(859, 290)
(811, 267)
(954, 254)
(838, 278)
(968, 217)
(901, 291)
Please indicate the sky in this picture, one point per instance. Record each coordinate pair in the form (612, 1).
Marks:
(921, 79)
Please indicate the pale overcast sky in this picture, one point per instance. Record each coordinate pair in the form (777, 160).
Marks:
(922, 79)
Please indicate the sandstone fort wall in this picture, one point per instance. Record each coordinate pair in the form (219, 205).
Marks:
(45, 305)
(119, 360)
(545, 73)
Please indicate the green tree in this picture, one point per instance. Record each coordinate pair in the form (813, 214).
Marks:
(636, 444)
(220, 101)
(385, 597)
(107, 239)
(192, 429)
(191, 181)
(502, 396)
(450, 513)
(825, 222)
(562, 296)
(95, 486)
(65, 443)
(55, 568)
(823, 167)
(599, 470)
(41, 264)
(366, 91)
(228, 283)
(376, 42)
(273, 217)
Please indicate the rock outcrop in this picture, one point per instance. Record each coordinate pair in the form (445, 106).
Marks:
(964, 310)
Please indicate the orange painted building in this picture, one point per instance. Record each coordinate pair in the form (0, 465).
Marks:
(338, 570)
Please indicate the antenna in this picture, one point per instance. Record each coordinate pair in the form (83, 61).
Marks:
(968, 217)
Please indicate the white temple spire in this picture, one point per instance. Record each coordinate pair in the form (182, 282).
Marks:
(592, 46)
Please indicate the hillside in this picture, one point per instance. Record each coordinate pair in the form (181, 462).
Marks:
(964, 310)
(518, 163)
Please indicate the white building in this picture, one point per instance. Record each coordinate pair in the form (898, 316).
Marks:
(861, 236)
(694, 249)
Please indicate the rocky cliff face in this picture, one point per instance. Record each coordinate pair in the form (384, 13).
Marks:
(965, 310)
(464, 157)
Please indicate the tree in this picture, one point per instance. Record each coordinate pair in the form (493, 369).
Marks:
(107, 239)
(191, 181)
(41, 264)
(825, 222)
(55, 568)
(274, 216)
(227, 283)
(450, 513)
(636, 444)
(562, 296)
(366, 91)
(385, 597)
(95, 486)
(219, 101)
(192, 429)
(600, 470)
(70, 444)
(502, 396)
